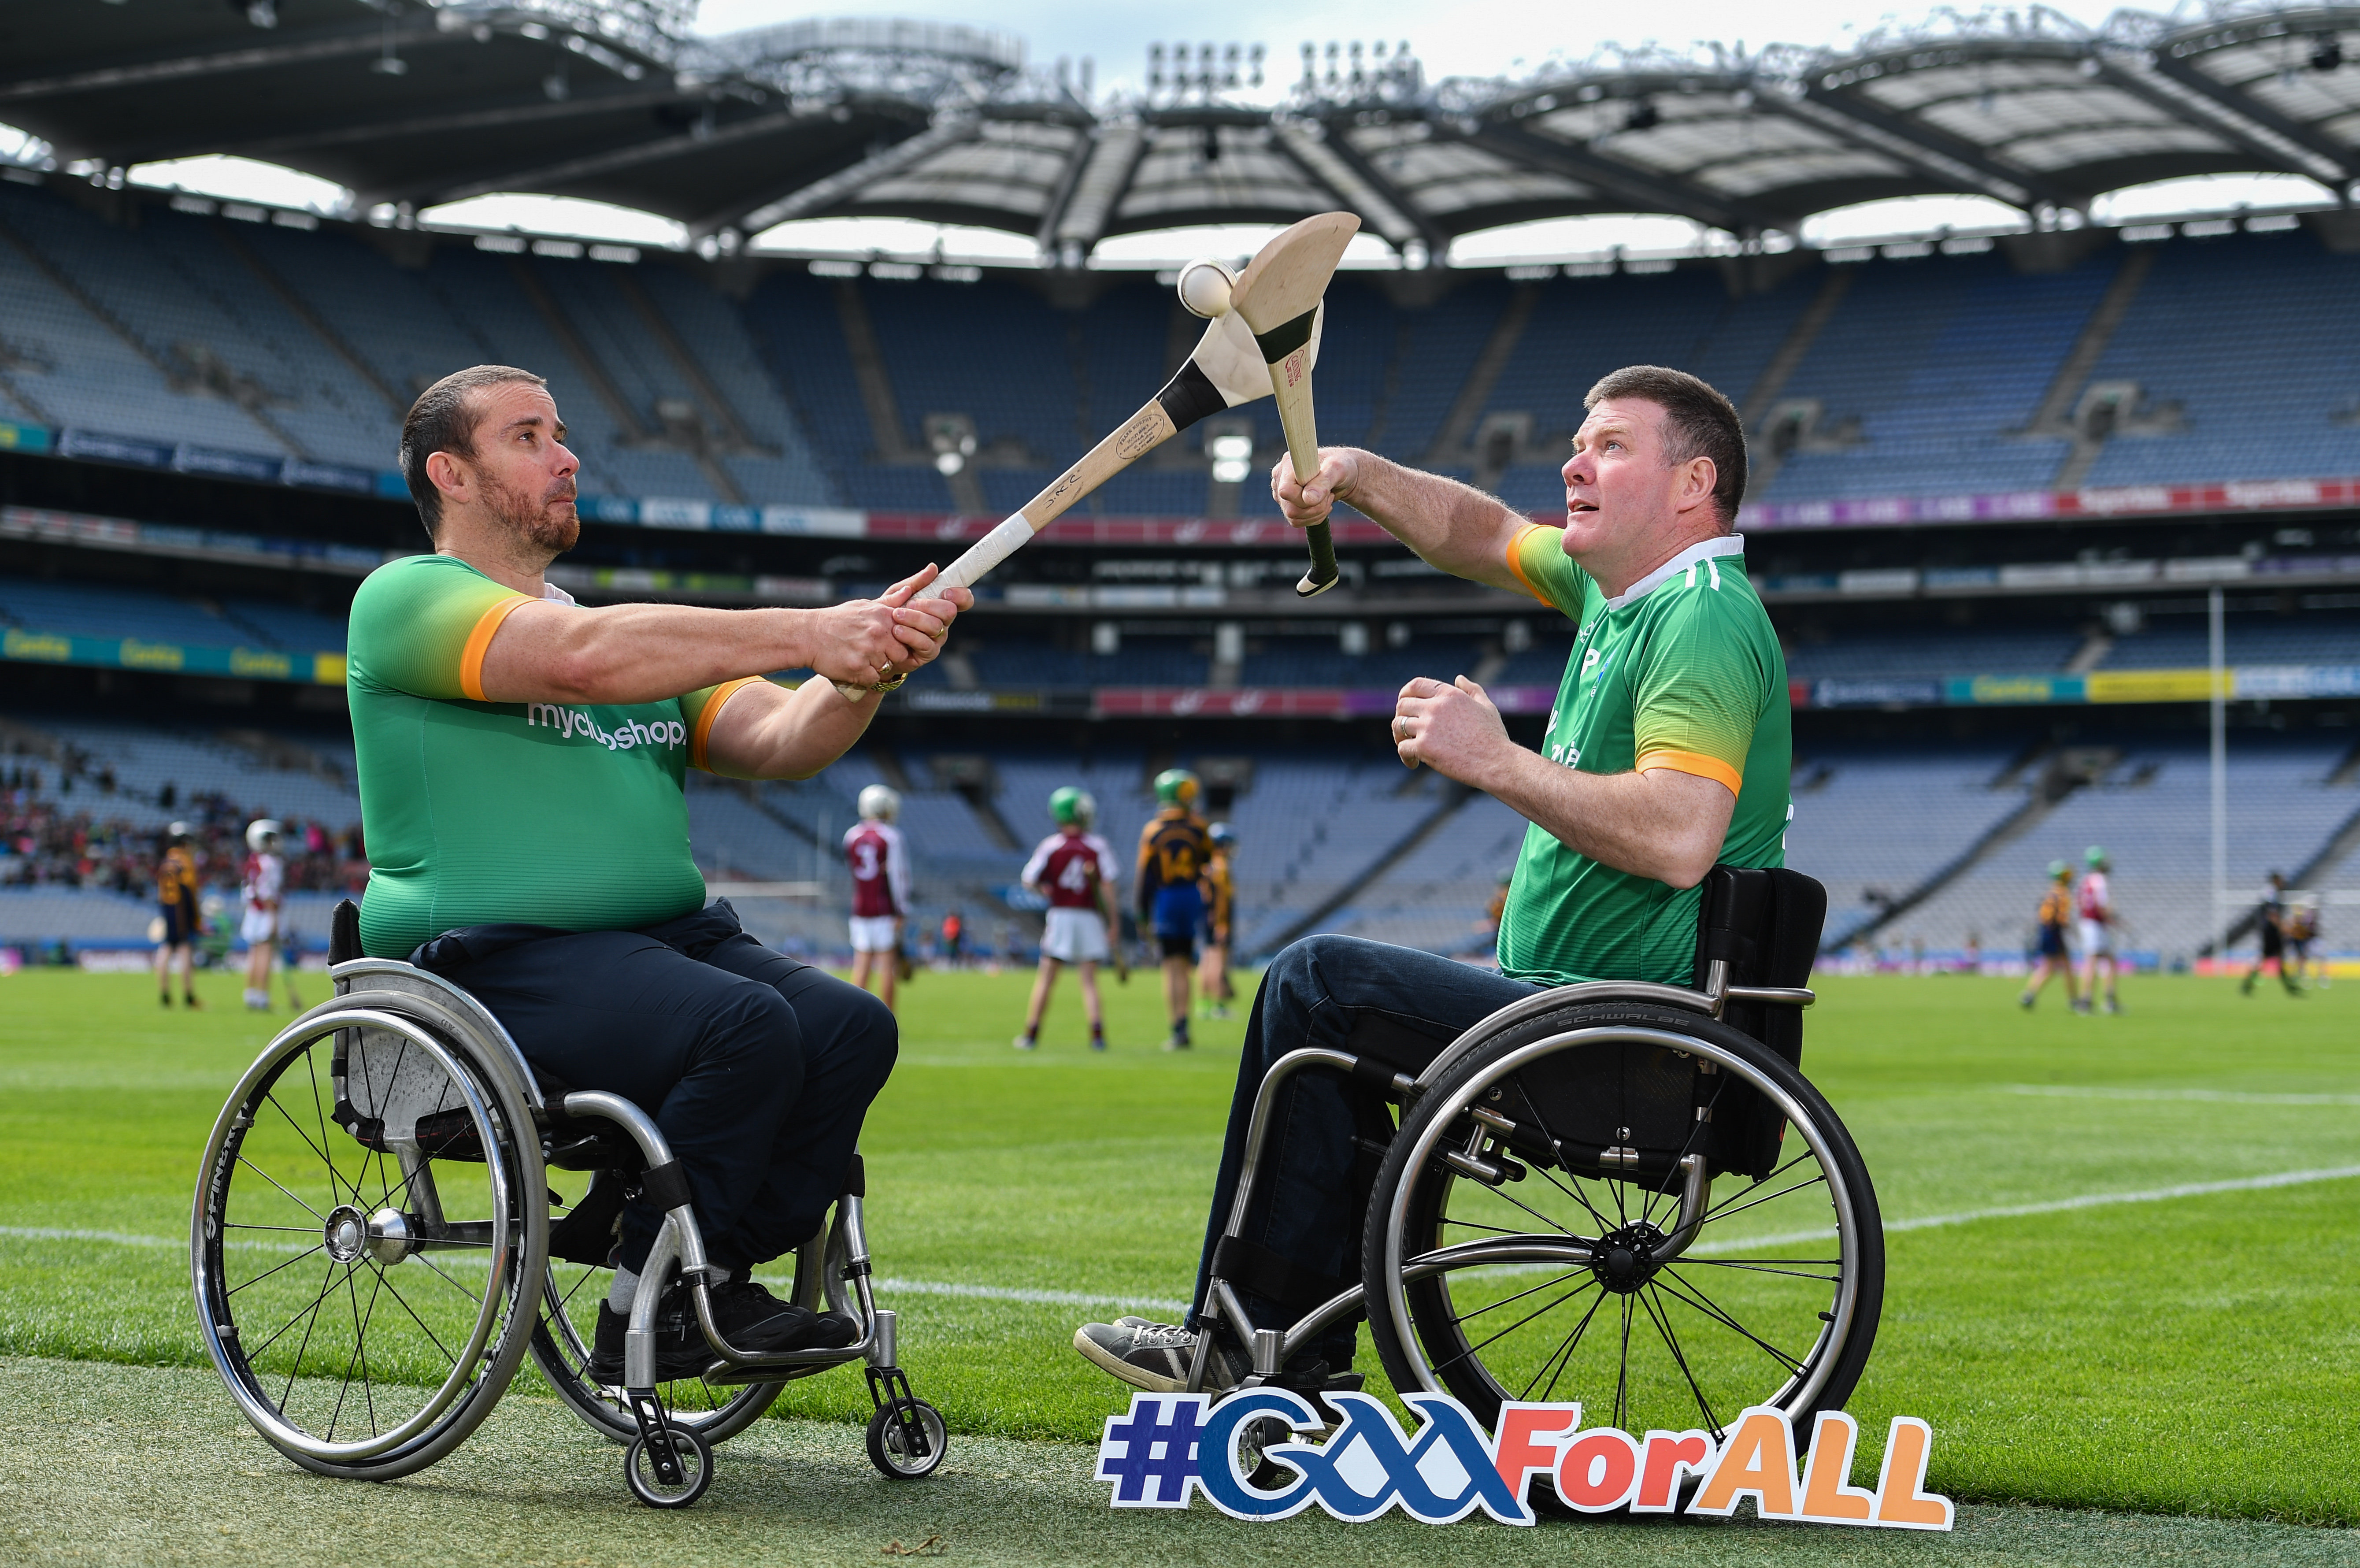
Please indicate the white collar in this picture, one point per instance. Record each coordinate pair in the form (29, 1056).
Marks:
(554, 593)
(1703, 550)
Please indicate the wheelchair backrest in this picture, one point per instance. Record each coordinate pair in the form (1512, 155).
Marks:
(1765, 923)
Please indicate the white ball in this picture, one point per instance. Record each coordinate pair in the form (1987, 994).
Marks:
(1204, 289)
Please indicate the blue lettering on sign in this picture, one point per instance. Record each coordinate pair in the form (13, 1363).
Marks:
(1150, 1454)
(1166, 1443)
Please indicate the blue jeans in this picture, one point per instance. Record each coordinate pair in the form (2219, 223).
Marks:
(1343, 994)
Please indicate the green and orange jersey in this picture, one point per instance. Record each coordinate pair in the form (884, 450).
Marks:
(1680, 671)
(478, 811)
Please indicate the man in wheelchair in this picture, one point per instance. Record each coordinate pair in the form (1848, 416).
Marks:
(1667, 753)
(522, 764)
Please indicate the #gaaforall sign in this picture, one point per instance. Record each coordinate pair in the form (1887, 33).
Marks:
(1168, 1447)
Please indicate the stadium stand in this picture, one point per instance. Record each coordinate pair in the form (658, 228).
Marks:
(2242, 353)
(2149, 812)
(1921, 377)
(1873, 822)
(1895, 377)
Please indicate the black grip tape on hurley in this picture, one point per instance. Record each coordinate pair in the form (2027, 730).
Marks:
(1287, 336)
(1189, 396)
(665, 1185)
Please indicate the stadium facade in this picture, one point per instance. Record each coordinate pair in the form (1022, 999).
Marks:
(1999, 477)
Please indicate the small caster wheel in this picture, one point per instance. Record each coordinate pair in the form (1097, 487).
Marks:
(695, 1463)
(890, 1444)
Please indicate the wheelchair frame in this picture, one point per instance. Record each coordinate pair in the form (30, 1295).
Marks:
(1270, 1348)
(667, 1463)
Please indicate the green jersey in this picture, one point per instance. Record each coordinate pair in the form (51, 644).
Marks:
(479, 811)
(1681, 671)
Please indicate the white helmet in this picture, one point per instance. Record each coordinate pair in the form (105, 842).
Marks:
(881, 802)
(259, 830)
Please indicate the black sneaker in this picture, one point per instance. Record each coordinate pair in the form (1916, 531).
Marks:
(680, 1351)
(754, 1321)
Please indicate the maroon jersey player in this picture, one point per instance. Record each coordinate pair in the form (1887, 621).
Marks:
(880, 864)
(1074, 870)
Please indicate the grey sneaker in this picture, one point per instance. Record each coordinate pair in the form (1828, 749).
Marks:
(1155, 1356)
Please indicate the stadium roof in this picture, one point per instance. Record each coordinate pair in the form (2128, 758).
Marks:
(414, 103)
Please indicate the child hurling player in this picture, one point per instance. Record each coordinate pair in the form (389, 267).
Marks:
(1220, 919)
(1173, 850)
(2056, 914)
(263, 925)
(1073, 868)
(879, 864)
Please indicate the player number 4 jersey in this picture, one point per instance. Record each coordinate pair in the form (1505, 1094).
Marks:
(1069, 869)
(1681, 671)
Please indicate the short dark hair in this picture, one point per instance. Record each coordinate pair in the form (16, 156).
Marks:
(1697, 423)
(444, 419)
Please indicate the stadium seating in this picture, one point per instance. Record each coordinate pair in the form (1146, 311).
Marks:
(1873, 822)
(2252, 338)
(2151, 813)
(240, 337)
(2183, 642)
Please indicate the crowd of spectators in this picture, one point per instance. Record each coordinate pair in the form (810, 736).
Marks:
(47, 838)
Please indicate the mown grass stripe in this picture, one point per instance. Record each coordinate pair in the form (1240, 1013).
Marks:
(905, 1286)
(2208, 1096)
(2057, 1206)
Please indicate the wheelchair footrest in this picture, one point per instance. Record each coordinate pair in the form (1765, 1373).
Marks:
(722, 1373)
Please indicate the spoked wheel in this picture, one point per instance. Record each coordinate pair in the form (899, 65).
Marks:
(892, 1447)
(367, 1240)
(1635, 1207)
(561, 1342)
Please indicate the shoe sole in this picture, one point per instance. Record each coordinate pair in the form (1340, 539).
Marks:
(682, 1368)
(1115, 1366)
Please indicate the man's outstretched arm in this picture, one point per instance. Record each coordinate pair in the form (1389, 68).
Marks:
(545, 652)
(1452, 526)
(1662, 824)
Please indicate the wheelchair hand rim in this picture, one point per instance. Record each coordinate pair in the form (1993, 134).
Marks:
(266, 1417)
(1799, 1391)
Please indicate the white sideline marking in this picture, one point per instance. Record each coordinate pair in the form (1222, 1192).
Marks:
(2217, 1096)
(1734, 1243)
(2059, 1206)
(903, 1287)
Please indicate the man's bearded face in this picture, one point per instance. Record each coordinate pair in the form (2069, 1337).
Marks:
(538, 510)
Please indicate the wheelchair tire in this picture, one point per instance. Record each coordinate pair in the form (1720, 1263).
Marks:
(561, 1349)
(887, 1442)
(365, 1248)
(1770, 1298)
(696, 1461)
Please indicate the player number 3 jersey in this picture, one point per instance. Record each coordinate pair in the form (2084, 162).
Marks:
(1681, 671)
(547, 814)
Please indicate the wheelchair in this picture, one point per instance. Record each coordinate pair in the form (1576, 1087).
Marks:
(1617, 1192)
(373, 1252)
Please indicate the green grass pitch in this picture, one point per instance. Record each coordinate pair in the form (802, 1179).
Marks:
(2193, 1353)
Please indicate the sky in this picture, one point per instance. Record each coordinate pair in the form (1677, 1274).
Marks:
(1472, 38)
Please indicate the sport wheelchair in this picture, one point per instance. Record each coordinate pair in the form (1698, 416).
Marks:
(373, 1258)
(1617, 1192)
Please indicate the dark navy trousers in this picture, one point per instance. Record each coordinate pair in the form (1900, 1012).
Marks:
(758, 1069)
(1348, 995)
